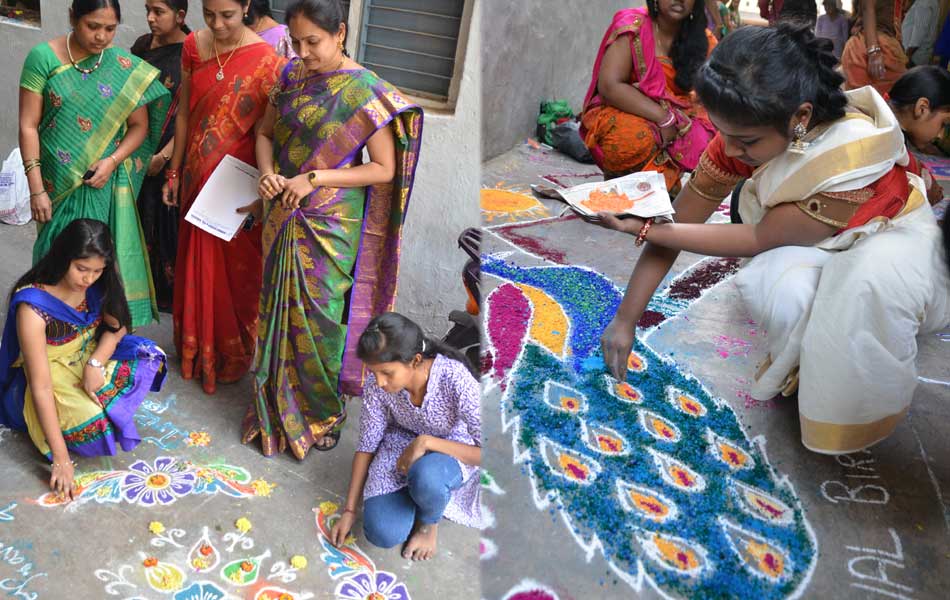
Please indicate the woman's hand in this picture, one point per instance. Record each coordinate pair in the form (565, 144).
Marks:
(93, 378)
(876, 68)
(156, 165)
(170, 192)
(296, 189)
(413, 452)
(41, 207)
(341, 529)
(668, 134)
(62, 481)
(631, 225)
(616, 343)
(101, 172)
(255, 209)
(934, 189)
(270, 185)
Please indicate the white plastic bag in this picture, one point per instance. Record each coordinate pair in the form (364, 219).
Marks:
(14, 191)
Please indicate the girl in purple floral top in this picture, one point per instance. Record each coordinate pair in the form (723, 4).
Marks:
(420, 440)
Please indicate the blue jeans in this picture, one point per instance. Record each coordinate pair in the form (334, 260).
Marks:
(388, 519)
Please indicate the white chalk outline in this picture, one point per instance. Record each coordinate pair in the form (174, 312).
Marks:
(787, 567)
(714, 439)
(623, 493)
(590, 546)
(740, 490)
(644, 414)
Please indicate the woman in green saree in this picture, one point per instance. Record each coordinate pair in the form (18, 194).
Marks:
(332, 227)
(90, 120)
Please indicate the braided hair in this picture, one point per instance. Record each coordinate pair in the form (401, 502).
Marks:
(761, 76)
(690, 47)
(391, 337)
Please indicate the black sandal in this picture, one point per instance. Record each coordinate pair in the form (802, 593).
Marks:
(333, 434)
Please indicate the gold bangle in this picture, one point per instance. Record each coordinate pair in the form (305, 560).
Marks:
(115, 161)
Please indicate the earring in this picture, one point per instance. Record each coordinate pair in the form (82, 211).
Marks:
(798, 146)
(339, 45)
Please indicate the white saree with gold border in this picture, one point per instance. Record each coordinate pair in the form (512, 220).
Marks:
(844, 314)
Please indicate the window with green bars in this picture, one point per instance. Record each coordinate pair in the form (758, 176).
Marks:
(413, 44)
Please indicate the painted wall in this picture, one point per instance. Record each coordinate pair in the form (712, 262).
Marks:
(443, 203)
(536, 50)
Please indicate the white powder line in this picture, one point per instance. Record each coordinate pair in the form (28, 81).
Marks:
(933, 479)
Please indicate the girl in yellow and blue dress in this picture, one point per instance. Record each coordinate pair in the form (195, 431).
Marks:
(69, 373)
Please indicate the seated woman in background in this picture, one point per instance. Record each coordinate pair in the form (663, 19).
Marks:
(638, 115)
(90, 119)
(162, 49)
(848, 265)
(260, 19)
(69, 373)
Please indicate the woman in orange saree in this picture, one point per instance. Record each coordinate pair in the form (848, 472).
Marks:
(638, 115)
(227, 74)
(874, 55)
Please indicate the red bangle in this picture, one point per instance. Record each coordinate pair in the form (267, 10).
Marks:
(171, 174)
(349, 510)
(642, 235)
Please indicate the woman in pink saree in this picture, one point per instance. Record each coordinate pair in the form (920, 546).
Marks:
(638, 114)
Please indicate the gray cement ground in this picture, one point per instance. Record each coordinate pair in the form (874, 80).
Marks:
(99, 549)
(880, 520)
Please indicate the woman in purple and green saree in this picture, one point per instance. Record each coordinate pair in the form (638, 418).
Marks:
(90, 119)
(69, 373)
(332, 229)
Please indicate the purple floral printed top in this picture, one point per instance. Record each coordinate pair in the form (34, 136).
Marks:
(450, 410)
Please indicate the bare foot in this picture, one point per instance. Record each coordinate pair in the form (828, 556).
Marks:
(421, 545)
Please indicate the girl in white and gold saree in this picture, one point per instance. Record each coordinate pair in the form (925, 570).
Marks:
(848, 265)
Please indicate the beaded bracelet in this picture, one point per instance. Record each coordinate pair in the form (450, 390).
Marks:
(642, 235)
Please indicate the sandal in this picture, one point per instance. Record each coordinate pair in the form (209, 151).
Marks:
(333, 434)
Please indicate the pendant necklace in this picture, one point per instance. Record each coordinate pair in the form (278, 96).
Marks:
(69, 53)
(220, 74)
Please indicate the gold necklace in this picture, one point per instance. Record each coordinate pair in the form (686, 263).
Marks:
(69, 53)
(220, 75)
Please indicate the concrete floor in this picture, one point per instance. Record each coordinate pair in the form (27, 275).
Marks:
(99, 547)
(871, 525)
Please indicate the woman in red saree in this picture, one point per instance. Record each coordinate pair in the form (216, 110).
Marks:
(638, 115)
(227, 74)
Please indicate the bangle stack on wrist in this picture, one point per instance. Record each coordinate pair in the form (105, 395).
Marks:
(29, 165)
(874, 50)
(669, 121)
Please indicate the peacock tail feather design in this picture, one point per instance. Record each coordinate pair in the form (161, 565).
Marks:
(652, 471)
